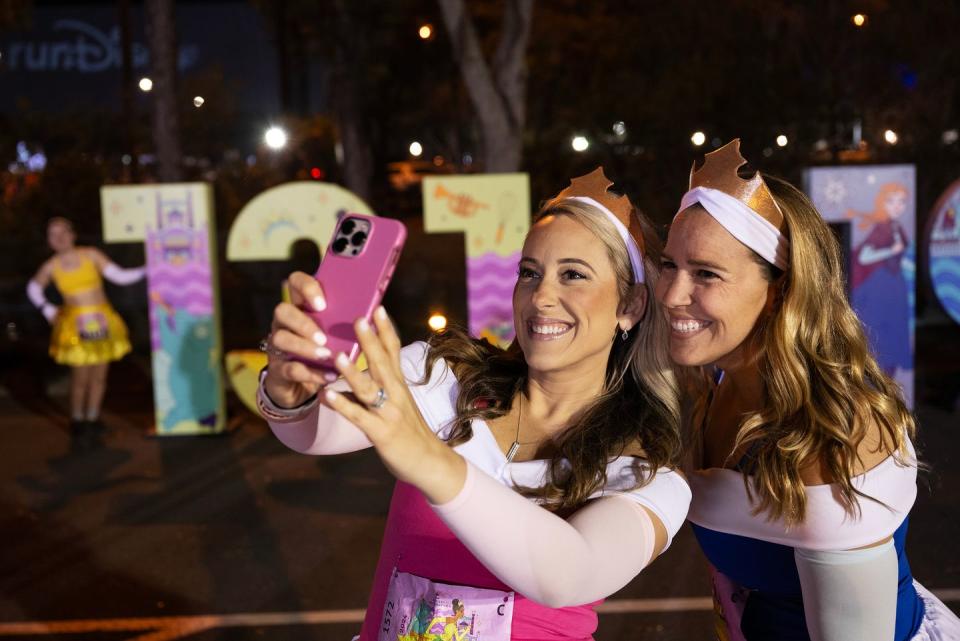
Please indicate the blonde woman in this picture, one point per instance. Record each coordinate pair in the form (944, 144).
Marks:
(533, 482)
(87, 333)
(804, 468)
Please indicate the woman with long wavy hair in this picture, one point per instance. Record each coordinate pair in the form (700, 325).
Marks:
(534, 481)
(804, 470)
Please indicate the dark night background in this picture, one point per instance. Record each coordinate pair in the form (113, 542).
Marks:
(353, 80)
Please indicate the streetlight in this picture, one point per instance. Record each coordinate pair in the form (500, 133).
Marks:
(782, 141)
(198, 101)
(416, 149)
(580, 143)
(145, 84)
(859, 20)
(698, 138)
(890, 136)
(425, 31)
(437, 322)
(275, 137)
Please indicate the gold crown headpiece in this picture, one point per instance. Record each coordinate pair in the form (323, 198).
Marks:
(594, 188)
(719, 171)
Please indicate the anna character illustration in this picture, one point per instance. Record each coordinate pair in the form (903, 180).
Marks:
(878, 289)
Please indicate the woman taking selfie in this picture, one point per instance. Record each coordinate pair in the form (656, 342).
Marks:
(533, 482)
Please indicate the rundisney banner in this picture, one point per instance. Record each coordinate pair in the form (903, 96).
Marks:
(175, 221)
(874, 206)
(74, 49)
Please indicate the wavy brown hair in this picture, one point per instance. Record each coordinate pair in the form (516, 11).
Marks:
(638, 407)
(824, 389)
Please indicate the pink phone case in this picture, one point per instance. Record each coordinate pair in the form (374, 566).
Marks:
(354, 285)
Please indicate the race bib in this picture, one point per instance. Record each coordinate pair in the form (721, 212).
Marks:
(729, 601)
(92, 326)
(419, 609)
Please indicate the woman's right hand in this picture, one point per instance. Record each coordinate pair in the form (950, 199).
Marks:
(290, 383)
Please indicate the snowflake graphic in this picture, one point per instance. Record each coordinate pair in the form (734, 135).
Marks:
(835, 191)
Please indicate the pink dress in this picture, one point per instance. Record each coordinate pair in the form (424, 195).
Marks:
(418, 542)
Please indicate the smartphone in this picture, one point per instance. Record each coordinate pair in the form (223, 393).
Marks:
(354, 274)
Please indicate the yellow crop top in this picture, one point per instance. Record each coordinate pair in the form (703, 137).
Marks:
(76, 281)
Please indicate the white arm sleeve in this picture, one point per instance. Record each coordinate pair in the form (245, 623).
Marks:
(540, 555)
(849, 595)
(35, 294)
(120, 276)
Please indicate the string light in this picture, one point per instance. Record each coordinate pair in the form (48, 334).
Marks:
(579, 143)
(437, 322)
(275, 137)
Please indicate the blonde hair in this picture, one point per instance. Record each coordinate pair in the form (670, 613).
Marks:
(824, 389)
(639, 404)
(60, 220)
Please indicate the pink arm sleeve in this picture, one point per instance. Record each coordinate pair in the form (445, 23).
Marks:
(316, 430)
(544, 557)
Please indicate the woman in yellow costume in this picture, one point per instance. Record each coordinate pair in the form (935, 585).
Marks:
(87, 333)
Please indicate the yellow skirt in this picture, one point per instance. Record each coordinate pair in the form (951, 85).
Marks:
(88, 335)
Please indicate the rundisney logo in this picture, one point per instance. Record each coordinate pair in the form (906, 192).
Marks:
(85, 49)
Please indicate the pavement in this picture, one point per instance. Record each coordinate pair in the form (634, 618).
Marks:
(235, 537)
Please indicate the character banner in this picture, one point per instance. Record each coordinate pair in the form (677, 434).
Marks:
(493, 211)
(175, 221)
(943, 250)
(873, 209)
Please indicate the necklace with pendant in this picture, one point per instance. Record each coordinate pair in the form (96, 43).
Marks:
(516, 439)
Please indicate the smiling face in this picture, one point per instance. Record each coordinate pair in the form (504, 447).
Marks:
(60, 236)
(566, 302)
(713, 291)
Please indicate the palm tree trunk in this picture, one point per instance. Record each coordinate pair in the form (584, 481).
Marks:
(161, 29)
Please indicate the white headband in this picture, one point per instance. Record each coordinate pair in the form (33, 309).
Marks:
(746, 225)
(636, 258)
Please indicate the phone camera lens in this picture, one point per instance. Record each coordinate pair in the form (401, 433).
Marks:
(358, 238)
(347, 227)
(339, 245)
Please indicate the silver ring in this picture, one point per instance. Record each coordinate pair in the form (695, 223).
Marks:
(379, 401)
(269, 349)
